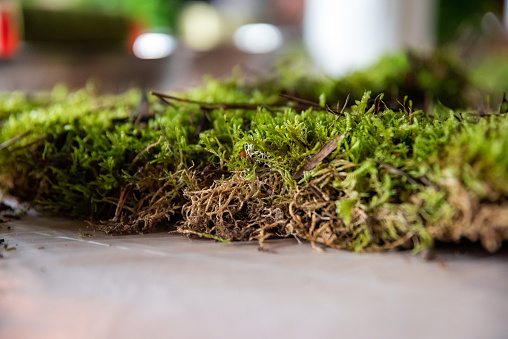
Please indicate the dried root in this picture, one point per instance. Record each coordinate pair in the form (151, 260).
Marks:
(154, 202)
(314, 218)
(474, 219)
(237, 209)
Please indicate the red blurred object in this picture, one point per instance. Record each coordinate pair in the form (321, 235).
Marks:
(9, 32)
(136, 28)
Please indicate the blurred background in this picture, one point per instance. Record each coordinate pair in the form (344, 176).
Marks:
(172, 44)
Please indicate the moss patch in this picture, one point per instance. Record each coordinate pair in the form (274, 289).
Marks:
(242, 161)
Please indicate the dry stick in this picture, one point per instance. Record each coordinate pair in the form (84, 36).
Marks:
(147, 149)
(247, 106)
(504, 105)
(310, 103)
(313, 161)
(421, 181)
(428, 183)
(164, 100)
(209, 105)
(121, 202)
(303, 101)
(36, 141)
(14, 140)
(341, 111)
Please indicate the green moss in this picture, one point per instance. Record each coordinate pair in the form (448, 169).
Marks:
(400, 177)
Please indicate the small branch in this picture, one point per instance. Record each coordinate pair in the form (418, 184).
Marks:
(121, 202)
(209, 105)
(345, 104)
(147, 149)
(167, 96)
(428, 183)
(300, 100)
(341, 111)
(504, 105)
(313, 161)
(305, 104)
(14, 140)
(420, 181)
(164, 100)
(309, 103)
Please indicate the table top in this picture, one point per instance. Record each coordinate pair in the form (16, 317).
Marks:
(63, 280)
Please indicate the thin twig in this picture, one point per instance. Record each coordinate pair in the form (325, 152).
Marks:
(313, 161)
(246, 106)
(165, 101)
(341, 111)
(121, 202)
(504, 105)
(147, 149)
(300, 100)
(209, 105)
(14, 140)
(420, 181)
(309, 103)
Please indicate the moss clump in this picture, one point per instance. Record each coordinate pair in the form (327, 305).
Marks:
(223, 161)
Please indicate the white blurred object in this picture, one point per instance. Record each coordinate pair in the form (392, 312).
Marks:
(153, 46)
(258, 38)
(505, 14)
(201, 27)
(342, 36)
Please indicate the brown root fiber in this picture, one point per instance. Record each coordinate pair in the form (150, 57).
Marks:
(153, 203)
(238, 209)
(314, 218)
(473, 219)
